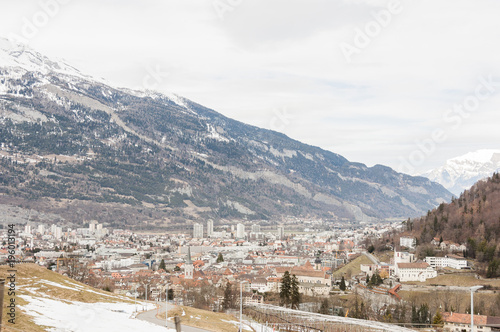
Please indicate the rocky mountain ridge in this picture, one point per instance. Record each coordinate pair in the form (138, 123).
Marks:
(71, 142)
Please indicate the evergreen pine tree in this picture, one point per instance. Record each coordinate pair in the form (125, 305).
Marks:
(342, 284)
(324, 309)
(294, 292)
(423, 314)
(414, 315)
(362, 311)
(285, 289)
(162, 265)
(438, 319)
(220, 258)
(228, 301)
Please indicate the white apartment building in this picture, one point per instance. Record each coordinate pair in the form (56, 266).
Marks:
(403, 257)
(27, 229)
(198, 231)
(58, 233)
(240, 231)
(455, 262)
(281, 232)
(210, 228)
(408, 242)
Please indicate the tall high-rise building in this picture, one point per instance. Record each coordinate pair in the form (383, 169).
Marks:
(281, 232)
(27, 229)
(41, 229)
(210, 228)
(240, 231)
(255, 228)
(198, 231)
(58, 233)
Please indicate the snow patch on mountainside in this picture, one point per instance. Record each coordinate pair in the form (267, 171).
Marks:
(239, 207)
(460, 173)
(19, 114)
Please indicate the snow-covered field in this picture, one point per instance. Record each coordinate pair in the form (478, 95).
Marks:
(73, 316)
(237, 324)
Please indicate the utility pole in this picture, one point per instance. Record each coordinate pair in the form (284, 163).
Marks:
(135, 298)
(166, 306)
(241, 305)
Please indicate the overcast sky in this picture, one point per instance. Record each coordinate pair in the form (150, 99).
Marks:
(403, 84)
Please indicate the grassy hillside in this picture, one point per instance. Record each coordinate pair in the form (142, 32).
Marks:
(35, 281)
(473, 219)
(352, 268)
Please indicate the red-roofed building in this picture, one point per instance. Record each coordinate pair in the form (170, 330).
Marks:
(461, 322)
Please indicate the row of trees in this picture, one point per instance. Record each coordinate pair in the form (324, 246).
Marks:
(375, 280)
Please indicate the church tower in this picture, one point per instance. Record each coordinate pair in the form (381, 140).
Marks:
(188, 267)
(317, 262)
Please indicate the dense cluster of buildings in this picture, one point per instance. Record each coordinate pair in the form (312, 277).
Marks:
(213, 256)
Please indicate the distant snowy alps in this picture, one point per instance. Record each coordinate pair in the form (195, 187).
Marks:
(460, 173)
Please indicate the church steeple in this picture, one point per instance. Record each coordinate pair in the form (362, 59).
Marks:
(189, 261)
(317, 262)
(189, 267)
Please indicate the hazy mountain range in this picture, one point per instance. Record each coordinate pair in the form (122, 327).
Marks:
(81, 149)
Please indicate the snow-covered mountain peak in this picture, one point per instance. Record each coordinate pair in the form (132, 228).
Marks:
(460, 173)
(20, 58)
(479, 156)
(17, 55)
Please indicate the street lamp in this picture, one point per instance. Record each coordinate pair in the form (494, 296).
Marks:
(241, 304)
(472, 290)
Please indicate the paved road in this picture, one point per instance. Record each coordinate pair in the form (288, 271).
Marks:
(150, 316)
(371, 257)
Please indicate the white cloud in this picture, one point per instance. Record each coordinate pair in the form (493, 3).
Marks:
(285, 54)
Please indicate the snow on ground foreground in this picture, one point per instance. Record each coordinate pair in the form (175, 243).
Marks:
(74, 316)
(237, 324)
